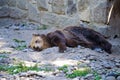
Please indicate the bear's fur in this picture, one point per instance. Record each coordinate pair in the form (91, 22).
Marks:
(71, 36)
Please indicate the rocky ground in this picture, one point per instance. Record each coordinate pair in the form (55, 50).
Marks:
(98, 64)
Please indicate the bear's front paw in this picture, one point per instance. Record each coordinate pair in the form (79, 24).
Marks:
(61, 50)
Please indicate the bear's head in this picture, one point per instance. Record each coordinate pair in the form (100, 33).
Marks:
(39, 42)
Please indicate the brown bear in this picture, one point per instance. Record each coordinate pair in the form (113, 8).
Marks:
(71, 36)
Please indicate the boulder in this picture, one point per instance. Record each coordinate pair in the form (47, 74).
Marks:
(42, 5)
(17, 13)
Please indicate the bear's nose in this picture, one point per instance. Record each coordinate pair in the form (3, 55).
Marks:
(37, 48)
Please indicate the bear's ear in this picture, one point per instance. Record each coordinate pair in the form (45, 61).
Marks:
(33, 34)
(36, 34)
(42, 35)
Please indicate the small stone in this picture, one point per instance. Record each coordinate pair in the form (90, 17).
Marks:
(103, 77)
(88, 75)
(110, 78)
(23, 74)
(1, 75)
(16, 28)
(22, 78)
(14, 45)
(92, 58)
(117, 60)
(98, 50)
(118, 78)
(25, 50)
(31, 50)
(107, 65)
(113, 74)
(79, 46)
(61, 74)
(16, 77)
(82, 47)
(34, 61)
(5, 60)
(73, 51)
(76, 78)
(117, 65)
(118, 71)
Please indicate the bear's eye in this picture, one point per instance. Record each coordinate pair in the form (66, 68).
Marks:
(37, 41)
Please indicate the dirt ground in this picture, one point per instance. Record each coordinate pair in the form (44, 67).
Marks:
(104, 61)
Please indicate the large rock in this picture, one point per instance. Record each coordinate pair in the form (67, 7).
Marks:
(115, 45)
(110, 78)
(17, 13)
(3, 2)
(98, 11)
(58, 6)
(84, 10)
(7, 21)
(55, 20)
(118, 78)
(68, 21)
(42, 5)
(85, 15)
(12, 3)
(49, 18)
(34, 14)
(93, 10)
(72, 8)
(83, 4)
(4, 12)
(22, 4)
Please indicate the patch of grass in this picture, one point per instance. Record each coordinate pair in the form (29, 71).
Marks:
(75, 73)
(18, 41)
(97, 76)
(21, 45)
(43, 27)
(20, 67)
(79, 72)
(14, 59)
(3, 67)
(118, 73)
(63, 68)
(5, 52)
(46, 69)
(3, 56)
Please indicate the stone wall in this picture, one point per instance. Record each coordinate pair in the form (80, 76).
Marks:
(56, 13)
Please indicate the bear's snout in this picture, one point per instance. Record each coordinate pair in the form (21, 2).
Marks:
(37, 48)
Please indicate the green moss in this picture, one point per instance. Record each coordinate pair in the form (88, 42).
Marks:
(20, 67)
(3, 56)
(63, 68)
(5, 52)
(79, 72)
(97, 76)
(21, 44)
(75, 73)
(43, 27)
